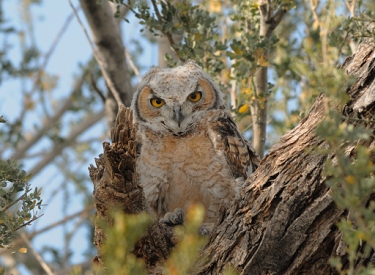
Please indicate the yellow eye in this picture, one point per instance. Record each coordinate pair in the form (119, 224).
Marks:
(157, 102)
(195, 97)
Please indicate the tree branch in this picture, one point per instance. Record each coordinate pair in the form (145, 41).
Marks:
(100, 60)
(22, 149)
(110, 49)
(68, 141)
(39, 258)
(290, 225)
(6, 207)
(166, 33)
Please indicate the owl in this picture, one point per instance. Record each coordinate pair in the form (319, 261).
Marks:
(191, 151)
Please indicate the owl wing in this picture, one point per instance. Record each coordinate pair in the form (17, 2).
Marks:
(228, 141)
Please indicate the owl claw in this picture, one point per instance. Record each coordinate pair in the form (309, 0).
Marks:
(174, 218)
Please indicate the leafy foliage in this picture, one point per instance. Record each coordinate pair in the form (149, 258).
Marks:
(121, 237)
(350, 173)
(351, 178)
(12, 182)
(126, 230)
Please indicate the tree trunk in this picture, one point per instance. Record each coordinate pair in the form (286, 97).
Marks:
(284, 221)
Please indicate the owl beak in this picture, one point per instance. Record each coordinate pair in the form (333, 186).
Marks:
(177, 114)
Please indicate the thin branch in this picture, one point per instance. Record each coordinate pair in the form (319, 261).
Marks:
(6, 207)
(84, 213)
(96, 88)
(28, 223)
(39, 258)
(167, 33)
(50, 51)
(19, 227)
(22, 149)
(108, 80)
(351, 7)
(90, 121)
(313, 10)
(130, 8)
(132, 65)
(277, 17)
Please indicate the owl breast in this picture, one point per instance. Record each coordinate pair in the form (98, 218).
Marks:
(176, 172)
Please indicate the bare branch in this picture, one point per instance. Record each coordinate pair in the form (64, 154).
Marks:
(132, 65)
(39, 258)
(83, 214)
(96, 88)
(22, 149)
(91, 120)
(48, 54)
(351, 7)
(108, 80)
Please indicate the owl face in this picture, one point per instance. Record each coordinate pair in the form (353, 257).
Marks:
(173, 101)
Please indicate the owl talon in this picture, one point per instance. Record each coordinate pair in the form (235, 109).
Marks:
(174, 218)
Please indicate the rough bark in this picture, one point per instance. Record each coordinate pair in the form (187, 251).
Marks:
(284, 222)
(115, 186)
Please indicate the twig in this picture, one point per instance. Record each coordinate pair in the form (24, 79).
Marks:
(132, 65)
(130, 8)
(28, 223)
(313, 10)
(84, 213)
(49, 53)
(19, 227)
(351, 7)
(39, 258)
(167, 33)
(67, 141)
(96, 89)
(6, 207)
(22, 149)
(108, 80)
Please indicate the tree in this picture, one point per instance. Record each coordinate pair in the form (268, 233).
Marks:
(53, 130)
(285, 221)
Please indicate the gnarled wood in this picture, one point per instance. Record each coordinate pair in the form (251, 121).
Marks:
(116, 186)
(284, 222)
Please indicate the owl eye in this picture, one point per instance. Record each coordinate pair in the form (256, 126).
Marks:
(157, 102)
(195, 97)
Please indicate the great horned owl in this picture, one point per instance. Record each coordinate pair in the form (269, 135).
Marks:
(191, 150)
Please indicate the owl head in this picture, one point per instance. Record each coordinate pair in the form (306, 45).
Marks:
(174, 100)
